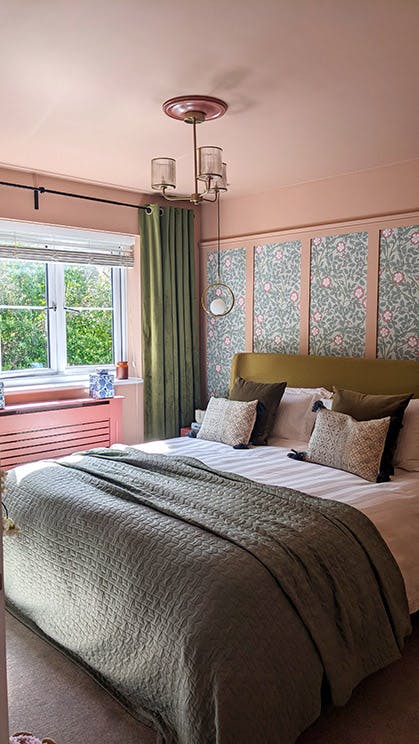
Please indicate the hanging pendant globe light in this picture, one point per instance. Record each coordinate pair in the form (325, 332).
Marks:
(217, 299)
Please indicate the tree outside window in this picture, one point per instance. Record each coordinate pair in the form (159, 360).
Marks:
(57, 316)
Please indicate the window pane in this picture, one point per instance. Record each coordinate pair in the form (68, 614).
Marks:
(24, 339)
(22, 283)
(89, 337)
(88, 286)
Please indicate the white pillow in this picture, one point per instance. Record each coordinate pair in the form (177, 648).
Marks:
(407, 451)
(228, 421)
(294, 419)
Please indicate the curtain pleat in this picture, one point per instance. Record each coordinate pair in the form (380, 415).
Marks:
(170, 316)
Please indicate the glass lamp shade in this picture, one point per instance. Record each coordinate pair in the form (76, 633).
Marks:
(210, 163)
(222, 182)
(163, 173)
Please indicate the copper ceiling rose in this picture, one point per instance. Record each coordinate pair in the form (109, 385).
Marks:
(184, 108)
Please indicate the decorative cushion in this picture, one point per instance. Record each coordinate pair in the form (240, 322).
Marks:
(339, 441)
(294, 419)
(228, 421)
(268, 395)
(407, 452)
(364, 407)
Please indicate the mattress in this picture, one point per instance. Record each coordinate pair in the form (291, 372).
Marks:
(393, 507)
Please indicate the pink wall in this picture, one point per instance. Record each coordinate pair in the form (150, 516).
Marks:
(363, 201)
(383, 191)
(17, 204)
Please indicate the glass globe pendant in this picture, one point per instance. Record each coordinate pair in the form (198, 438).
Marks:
(217, 298)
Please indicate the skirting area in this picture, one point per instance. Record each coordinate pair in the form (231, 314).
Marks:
(51, 696)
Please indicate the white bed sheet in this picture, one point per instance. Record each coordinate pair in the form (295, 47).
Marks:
(393, 507)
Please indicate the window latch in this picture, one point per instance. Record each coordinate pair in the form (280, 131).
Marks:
(72, 309)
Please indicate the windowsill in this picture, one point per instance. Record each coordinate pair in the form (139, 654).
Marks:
(57, 383)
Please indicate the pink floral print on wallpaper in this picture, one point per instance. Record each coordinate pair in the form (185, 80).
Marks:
(226, 335)
(398, 294)
(338, 283)
(277, 287)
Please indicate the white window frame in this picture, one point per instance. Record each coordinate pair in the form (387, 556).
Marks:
(56, 338)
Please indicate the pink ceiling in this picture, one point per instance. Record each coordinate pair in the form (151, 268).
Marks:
(315, 88)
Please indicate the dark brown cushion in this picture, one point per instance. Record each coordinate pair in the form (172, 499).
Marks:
(268, 396)
(364, 407)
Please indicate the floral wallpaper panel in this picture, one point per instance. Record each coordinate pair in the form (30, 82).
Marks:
(398, 294)
(277, 287)
(338, 288)
(226, 335)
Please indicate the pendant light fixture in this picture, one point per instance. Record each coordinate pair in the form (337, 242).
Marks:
(217, 298)
(210, 176)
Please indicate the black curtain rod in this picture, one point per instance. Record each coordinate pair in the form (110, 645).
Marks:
(42, 190)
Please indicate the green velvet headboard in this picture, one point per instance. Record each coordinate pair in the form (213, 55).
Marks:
(381, 376)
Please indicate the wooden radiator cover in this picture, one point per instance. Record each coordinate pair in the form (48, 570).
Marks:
(36, 431)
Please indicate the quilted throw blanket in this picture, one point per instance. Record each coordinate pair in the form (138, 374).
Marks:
(216, 608)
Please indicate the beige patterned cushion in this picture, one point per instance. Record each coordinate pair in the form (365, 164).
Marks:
(339, 441)
(228, 421)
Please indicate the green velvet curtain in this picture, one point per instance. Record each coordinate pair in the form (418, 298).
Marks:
(170, 314)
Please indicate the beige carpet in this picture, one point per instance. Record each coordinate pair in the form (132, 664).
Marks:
(51, 696)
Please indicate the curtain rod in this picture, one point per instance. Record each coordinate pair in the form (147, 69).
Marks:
(42, 190)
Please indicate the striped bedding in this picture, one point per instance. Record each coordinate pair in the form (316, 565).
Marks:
(393, 507)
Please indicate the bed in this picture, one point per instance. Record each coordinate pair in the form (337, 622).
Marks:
(221, 607)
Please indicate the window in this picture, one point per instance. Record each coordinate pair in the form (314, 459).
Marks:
(59, 317)
(65, 315)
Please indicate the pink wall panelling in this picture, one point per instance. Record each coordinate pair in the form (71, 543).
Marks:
(337, 272)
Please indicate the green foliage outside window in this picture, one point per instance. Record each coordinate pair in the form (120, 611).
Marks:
(24, 330)
(89, 332)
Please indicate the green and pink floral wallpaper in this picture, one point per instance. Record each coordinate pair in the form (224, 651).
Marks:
(276, 303)
(226, 335)
(398, 293)
(338, 287)
(337, 301)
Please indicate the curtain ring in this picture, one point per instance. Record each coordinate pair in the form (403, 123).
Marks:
(148, 210)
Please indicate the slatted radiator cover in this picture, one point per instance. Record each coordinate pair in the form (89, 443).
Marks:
(41, 430)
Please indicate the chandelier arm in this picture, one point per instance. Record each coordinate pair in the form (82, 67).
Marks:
(173, 197)
(210, 190)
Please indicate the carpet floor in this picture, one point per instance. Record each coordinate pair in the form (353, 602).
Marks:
(51, 696)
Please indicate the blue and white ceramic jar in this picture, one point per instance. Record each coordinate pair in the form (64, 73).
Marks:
(101, 384)
(2, 401)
